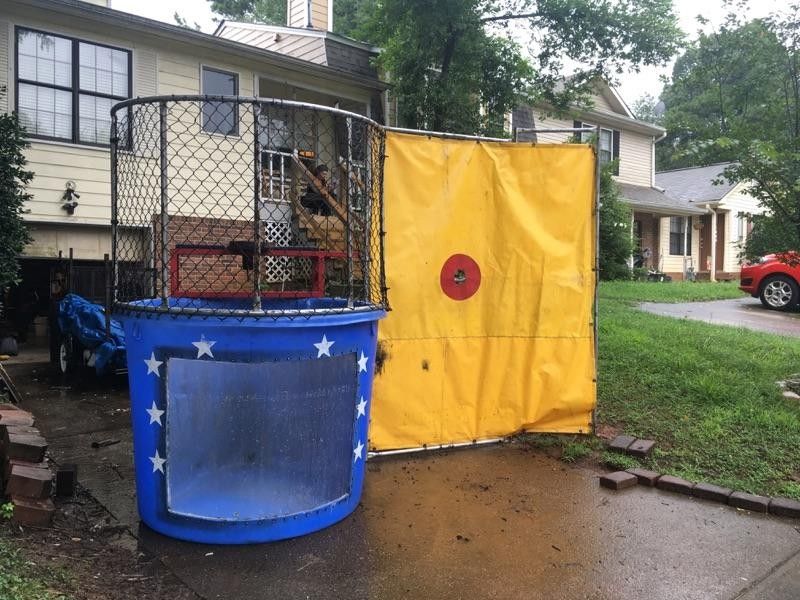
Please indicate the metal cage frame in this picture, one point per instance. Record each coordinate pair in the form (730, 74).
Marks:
(155, 143)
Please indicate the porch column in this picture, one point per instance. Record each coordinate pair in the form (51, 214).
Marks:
(631, 258)
(685, 245)
(713, 270)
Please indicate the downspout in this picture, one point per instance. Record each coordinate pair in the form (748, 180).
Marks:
(653, 160)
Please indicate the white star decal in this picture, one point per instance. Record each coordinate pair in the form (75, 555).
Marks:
(324, 347)
(358, 452)
(153, 364)
(361, 408)
(362, 362)
(203, 347)
(158, 462)
(155, 414)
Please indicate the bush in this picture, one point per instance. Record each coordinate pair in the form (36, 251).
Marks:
(13, 179)
(616, 245)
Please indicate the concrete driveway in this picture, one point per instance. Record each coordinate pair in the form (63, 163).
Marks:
(491, 522)
(740, 312)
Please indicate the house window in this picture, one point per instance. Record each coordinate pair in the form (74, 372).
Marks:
(740, 226)
(66, 87)
(220, 117)
(607, 146)
(678, 234)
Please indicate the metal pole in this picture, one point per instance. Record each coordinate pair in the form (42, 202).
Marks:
(596, 214)
(349, 233)
(107, 271)
(257, 209)
(112, 279)
(164, 206)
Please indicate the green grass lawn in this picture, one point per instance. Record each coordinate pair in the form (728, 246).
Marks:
(675, 291)
(705, 393)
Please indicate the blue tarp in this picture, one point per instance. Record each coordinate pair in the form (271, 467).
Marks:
(86, 322)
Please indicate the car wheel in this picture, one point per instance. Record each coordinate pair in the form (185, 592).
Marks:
(780, 292)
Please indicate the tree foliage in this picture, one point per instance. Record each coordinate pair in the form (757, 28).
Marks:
(727, 83)
(455, 65)
(735, 96)
(13, 179)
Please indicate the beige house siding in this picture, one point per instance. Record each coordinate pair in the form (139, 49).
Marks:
(635, 149)
(735, 202)
(601, 104)
(297, 13)
(635, 158)
(674, 264)
(5, 34)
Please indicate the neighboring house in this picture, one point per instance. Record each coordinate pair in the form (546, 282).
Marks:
(718, 234)
(64, 63)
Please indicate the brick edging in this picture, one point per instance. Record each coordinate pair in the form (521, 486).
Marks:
(778, 506)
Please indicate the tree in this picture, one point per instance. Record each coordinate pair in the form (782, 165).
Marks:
(272, 12)
(768, 159)
(727, 83)
(649, 109)
(440, 54)
(616, 244)
(13, 180)
(182, 22)
(455, 67)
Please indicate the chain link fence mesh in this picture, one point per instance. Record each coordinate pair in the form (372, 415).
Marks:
(228, 206)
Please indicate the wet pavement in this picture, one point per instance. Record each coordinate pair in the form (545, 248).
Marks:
(491, 522)
(740, 312)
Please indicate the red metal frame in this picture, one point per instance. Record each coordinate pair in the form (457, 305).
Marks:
(317, 256)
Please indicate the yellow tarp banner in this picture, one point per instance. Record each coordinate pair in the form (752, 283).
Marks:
(516, 355)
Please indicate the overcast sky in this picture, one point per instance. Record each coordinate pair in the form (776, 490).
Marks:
(632, 87)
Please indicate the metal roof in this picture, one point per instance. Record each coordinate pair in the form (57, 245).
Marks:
(695, 184)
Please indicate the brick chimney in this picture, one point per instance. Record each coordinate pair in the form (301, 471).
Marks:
(314, 14)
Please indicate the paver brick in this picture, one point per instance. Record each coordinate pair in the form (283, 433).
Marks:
(8, 464)
(708, 491)
(621, 443)
(25, 446)
(749, 501)
(674, 484)
(641, 448)
(16, 417)
(618, 480)
(30, 482)
(36, 513)
(784, 507)
(645, 477)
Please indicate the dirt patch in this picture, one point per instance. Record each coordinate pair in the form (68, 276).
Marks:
(95, 558)
(607, 432)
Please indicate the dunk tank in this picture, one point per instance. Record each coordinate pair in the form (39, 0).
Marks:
(248, 275)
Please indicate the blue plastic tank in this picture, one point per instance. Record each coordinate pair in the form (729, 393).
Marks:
(249, 429)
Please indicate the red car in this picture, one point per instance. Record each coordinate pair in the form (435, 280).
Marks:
(774, 279)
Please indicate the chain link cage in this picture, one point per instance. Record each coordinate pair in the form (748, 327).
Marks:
(230, 206)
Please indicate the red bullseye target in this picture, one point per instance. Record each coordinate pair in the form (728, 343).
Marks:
(460, 277)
